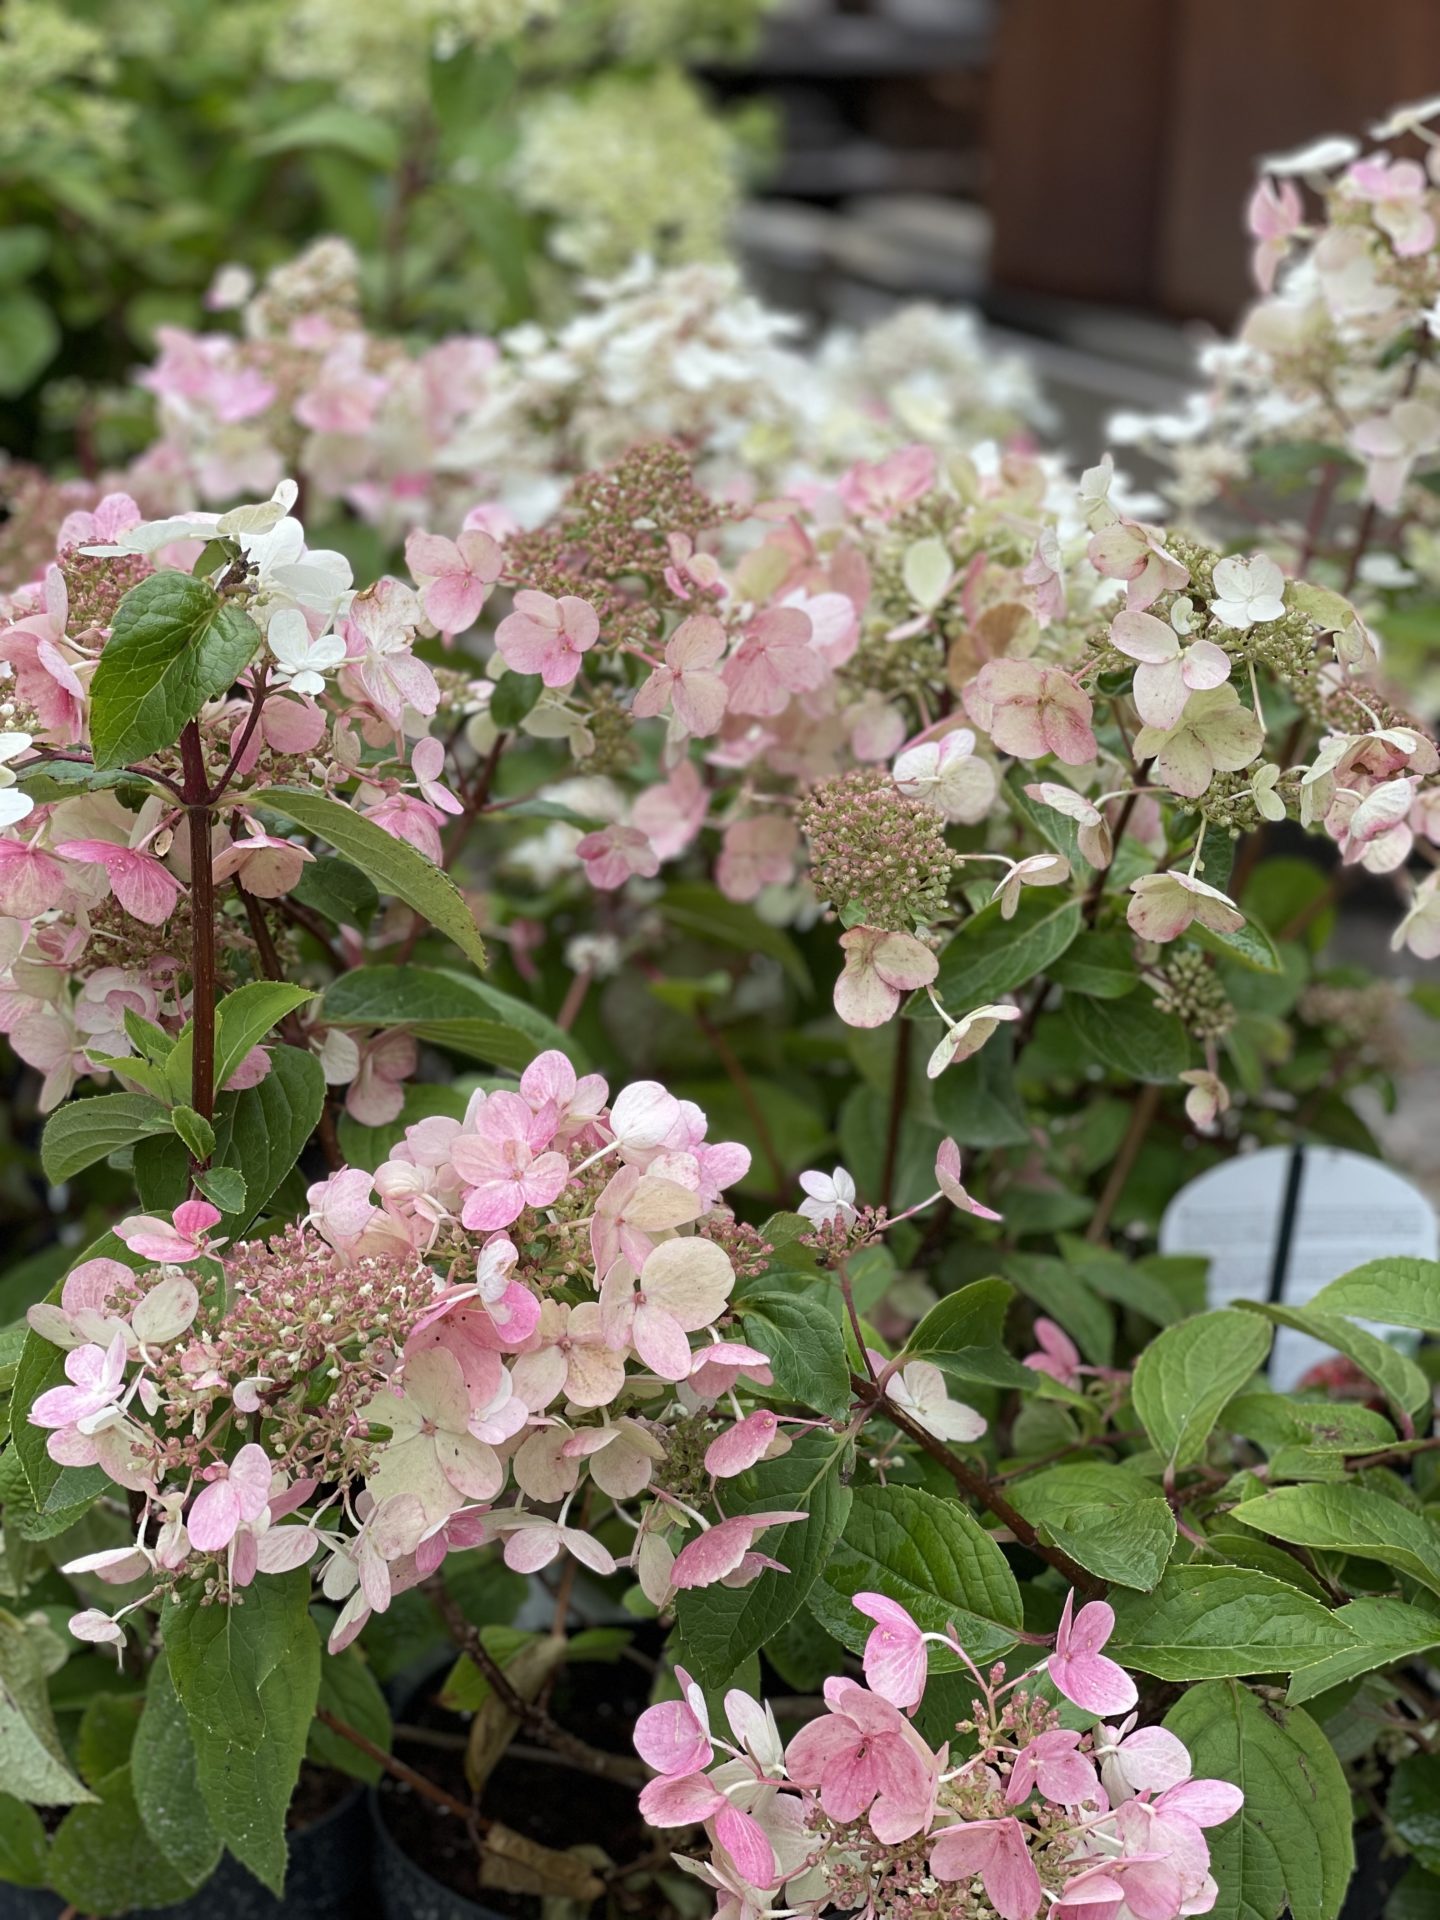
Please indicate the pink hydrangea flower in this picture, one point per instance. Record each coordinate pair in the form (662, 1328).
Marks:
(879, 967)
(880, 489)
(97, 1379)
(682, 1287)
(547, 636)
(757, 1437)
(1051, 1763)
(864, 1756)
(774, 661)
(1165, 904)
(1078, 1667)
(756, 854)
(454, 576)
(674, 1737)
(143, 885)
(176, 1241)
(1058, 1356)
(264, 864)
(895, 1661)
(505, 1163)
(1030, 710)
(725, 1552)
(996, 1853)
(236, 1494)
(612, 854)
(687, 684)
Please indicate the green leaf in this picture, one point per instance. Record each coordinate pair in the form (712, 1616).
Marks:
(29, 339)
(242, 1020)
(1413, 1805)
(1290, 1844)
(721, 1626)
(1396, 1292)
(449, 1010)
(693, 907)
(1058, 1291)
(1130, 1036)
(1112, 1522)
(262, 1132)
(152, 1043)
(1101, 965)
(1127, 1282)
(351, 1692)
(934, 1558)
(990, 956)
(338, 890)
(84, 1131)
(1398, 1378)
(1188, 1372)
(33, 1766)
(223, 1187)
(803, 1340)
(977, 1103)
(1385, 1631)
(1211, 1623)
(964, 1335)
(1249, 944)
(248, 1677)
(174, 645)
(22, 250)
(195, 1130)
(337, 127)
(162, 1771)
(1346, 1518)
(102, 1859)
(514, 696)
(23, 1844)
(393, 866)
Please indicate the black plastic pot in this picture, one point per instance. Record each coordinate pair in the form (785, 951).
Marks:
(404, 1890)
(329, 1878)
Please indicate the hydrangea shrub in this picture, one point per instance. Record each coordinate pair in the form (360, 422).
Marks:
(870, 864)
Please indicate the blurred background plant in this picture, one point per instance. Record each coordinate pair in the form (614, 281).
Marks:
(477, 155)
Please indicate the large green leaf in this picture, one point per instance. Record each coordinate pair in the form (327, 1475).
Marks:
(1384, 1630)
(162, 1772)
(1061, 1292)
(964, 1333)
(102, 1859)
(990, 956)
(23, 1844)
(1413, 1806)
(1291, 1841)
(350, 1691)
(84, 1131)
(450, 1010)
(1130, 1036)
(1398, 1378)
(248, 1676)
(1188, 1372)
(29, 339)
(802, 1337)
(33, 1766)
(1397, 1292)
(977, 1103)
(1115, 1523)
(263, 1131)
(1210, 1623)
(1341, 1517)
(933, 1557)
(393, 866)
(174, 645)
(721, 1626)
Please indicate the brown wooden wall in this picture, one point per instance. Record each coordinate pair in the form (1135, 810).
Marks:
(1123, 133)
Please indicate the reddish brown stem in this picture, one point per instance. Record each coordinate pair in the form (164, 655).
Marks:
(1142, 1118)
(201, 819)
(397, 1769)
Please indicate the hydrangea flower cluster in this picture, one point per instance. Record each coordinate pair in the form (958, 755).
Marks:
(856, 1811)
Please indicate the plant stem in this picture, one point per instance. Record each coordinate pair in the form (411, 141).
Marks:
(606, 1766)
(201, 818)
(1142, 1118)
(899, 1092)
(397, 1769)
(979, 1488)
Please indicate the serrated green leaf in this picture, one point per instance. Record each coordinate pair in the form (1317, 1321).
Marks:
(1188, 1372)
(162, 1771)
(33, 1766)
(449, 1010)
(1350, 1519)
(1385, 1631)
(721, 1626)
(1398, 1378)
(341, 892)
(174, 644)
(1111, 1521)
(1212, 1623)
(977, 1102)
(102, 1859)
(223, 1187)
(195, 1130)
(990, 956)
(802, 1337)
(1290, 1844)
(1395, 1291)
(934, 1558)
(242, 1020)
(84, 1131)
(1130, 1036)
(1101, 965)
(248, 1677)
(390, 864)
